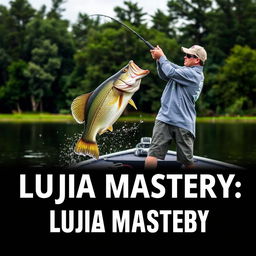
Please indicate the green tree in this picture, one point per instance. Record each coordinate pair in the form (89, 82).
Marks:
(21, 13)
(164, 23)
(41, 72)
(230, 23)
(55, 30)
(56, 10)
(4, 28)
(16, 87)
(91, 52)
(4, 63)
(235, 89)
(246, 22)
(191, 17)
(133, 14)
(12, 30)
(82, 27)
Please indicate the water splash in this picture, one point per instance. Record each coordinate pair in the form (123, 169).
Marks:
(124, 136)
(67, 156)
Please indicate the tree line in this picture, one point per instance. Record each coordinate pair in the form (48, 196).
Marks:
(45, 62)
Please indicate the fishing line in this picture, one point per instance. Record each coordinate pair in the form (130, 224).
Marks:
(128, 28)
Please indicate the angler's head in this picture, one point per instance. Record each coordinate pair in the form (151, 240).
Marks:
(130, 77)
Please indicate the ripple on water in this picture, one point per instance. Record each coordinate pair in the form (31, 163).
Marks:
(32, 154)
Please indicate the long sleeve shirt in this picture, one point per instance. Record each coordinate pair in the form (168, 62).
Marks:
(184, 85)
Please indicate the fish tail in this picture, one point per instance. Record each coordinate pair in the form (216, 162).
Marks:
(90, 148)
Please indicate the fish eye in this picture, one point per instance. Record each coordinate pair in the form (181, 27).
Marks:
(125, 70)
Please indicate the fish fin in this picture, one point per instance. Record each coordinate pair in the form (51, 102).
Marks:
(131, 102)
(118, 98)
(110, 128)
(120, 101)
(87, 148)
(78, 107)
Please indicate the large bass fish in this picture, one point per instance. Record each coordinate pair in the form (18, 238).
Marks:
(100, 109)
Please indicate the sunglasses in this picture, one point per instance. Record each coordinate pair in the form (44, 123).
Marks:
(191, 56)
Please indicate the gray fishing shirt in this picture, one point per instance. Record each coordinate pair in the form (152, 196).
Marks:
(180, 94)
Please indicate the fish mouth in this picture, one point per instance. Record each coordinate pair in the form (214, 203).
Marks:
(137, 70)
(129, 85)
(130, 78)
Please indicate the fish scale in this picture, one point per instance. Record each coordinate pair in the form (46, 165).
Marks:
(100, 109)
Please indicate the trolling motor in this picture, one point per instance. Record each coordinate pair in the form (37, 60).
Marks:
(143, 146)
(149, 45)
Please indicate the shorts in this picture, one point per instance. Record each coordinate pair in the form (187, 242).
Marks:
(163, 134)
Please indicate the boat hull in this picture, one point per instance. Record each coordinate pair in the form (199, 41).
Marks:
(129, 160)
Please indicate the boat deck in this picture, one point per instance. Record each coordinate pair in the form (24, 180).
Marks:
(128, 159)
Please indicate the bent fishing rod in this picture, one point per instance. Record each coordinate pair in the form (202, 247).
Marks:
(131, 30)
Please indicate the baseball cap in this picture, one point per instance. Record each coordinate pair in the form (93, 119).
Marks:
(196, 50)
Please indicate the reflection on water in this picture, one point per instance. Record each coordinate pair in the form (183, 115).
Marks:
(48, 144)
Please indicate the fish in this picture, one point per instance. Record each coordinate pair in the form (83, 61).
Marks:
(101, 108)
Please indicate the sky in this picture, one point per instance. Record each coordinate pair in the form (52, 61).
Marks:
(73, 7)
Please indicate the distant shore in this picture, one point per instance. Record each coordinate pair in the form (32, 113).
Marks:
(144, 117)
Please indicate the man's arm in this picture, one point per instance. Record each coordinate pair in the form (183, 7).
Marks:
(169, 70)
(157, 53)
(161, 73)
(157, 56)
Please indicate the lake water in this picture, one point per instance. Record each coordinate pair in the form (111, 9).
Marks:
(51, 144)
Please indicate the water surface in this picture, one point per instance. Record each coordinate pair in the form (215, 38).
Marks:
(51, 144)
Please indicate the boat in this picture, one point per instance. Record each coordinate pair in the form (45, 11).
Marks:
(134, 158)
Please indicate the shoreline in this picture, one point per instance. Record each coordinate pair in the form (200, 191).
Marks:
(52, 118)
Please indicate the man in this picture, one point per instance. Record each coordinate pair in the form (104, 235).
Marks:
(177, 116)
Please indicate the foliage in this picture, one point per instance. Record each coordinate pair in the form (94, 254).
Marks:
(45, 62)
(132, 14)
(164, 23)
(15, 89)
(193, 15)
(41, 72)
(235, 89)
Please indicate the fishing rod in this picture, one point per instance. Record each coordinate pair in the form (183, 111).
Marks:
(124, 25)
